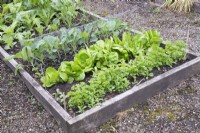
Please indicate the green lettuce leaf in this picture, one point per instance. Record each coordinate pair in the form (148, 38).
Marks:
(84, 60)
(51, 77)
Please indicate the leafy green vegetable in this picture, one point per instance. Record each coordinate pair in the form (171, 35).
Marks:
(176, 49)
(35, 16)
(51, 48)
(72, 70)
(85, 60)
(8, 34)
(113, 51)
(83, 96)
(102, 50)
(51, 77)
(115, 78)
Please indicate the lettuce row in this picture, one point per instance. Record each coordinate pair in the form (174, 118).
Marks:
(116, 77)
(103, 54)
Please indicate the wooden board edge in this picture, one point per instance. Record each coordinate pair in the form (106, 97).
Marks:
(96, 116)
(43, 96)
(106, 19)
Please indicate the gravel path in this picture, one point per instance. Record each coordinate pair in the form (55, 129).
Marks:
(20, 111)
(175, 110)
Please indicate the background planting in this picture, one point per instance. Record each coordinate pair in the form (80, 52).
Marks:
(24, 19)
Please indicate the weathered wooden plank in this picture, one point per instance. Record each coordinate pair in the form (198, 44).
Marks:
(109, 108)
(38, 91)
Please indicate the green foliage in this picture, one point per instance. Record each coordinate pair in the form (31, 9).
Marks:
(38, 50)
(104, 56)
(84, 96)
(35, 16)
(85, 60)
(176, 49)
(5, 1)
(57, 48)
(138, 43)
(114, 61)
(51, 77)
(115, 78)
(109, 52)
(60, 97)
(7, 36)
(72, 70)
(18, 68)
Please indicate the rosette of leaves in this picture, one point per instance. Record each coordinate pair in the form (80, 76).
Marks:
(85, 60)
(104, 56)
(51, 77)
(138, 43)
(69, 71)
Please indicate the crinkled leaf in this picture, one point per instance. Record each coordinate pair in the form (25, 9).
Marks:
(51, 77)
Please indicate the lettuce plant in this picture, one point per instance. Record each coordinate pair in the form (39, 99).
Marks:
(72, 70)
(116, 77)
(51, 77)
(103, 54)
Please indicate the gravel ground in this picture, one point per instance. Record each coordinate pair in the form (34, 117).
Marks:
(175, 110)
(19, 110)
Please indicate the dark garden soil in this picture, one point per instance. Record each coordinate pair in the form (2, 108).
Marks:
(174, 110)
(66, 87)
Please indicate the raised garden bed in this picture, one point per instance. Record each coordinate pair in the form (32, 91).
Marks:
(109, 108)
(71, 121)
(106, 110)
